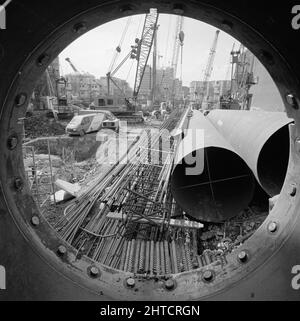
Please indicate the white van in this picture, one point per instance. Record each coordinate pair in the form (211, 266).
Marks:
(90, 121)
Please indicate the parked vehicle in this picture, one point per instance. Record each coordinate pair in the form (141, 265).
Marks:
(88, 121)
(110, 121)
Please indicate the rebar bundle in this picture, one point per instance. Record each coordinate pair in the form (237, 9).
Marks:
(138, 189)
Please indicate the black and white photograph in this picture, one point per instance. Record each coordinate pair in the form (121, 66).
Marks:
(149, 154)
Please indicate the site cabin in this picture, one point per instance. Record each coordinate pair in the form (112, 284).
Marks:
(118, 107)
(109, 103)
(87, 121)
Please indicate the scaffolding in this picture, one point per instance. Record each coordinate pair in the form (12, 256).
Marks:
(40, 181)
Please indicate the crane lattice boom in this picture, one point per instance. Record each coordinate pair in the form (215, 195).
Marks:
(177, 42)
(144, 48)
(209, 65)
(71, 64)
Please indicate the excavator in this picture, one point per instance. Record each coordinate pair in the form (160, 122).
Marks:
(63, 109)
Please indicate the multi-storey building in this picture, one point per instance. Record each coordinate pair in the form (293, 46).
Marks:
(146, 84)
(166, 88)
(121, 90)
(86, 87)
(186, 92)
(214, 90)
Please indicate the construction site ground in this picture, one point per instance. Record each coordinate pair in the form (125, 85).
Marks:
(73, 159)
(80, 159)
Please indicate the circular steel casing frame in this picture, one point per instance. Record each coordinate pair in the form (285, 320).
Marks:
(36, 33)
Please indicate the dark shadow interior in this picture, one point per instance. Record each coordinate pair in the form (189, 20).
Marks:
(224, 188)
(273, 161)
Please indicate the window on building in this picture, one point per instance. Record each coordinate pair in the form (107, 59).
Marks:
(101, 102)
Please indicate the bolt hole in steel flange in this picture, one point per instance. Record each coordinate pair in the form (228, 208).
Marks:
(273, 227)
(21, 99)
(208, 276)
(243, 256)
(130, 282)
(35, 221)
(94, 272)
(170, 284)
(292, 101)
(61, 250)
(51, 39)
(12, 142)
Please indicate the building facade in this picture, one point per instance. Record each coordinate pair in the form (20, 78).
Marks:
(167, 88)
(86, 88)
(214, 90)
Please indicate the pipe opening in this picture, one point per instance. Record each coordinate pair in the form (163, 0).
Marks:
(221, 191)
(273, 161)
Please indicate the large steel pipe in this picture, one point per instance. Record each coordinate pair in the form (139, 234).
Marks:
(261, 139)
(210, 181)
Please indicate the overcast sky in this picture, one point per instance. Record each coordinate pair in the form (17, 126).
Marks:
(94, 51)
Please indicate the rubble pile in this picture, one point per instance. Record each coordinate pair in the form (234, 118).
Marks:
(40, 125)
(227, 236)
(77, 172)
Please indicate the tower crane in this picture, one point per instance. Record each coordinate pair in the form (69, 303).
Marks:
(208, 69)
